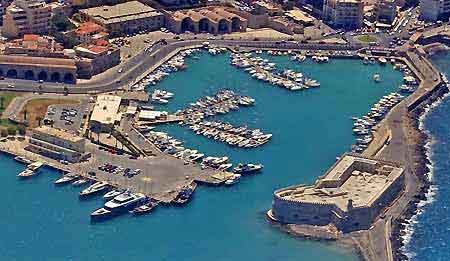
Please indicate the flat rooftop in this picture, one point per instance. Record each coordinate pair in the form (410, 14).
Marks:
(106, 109)
(360, 179)
(121, 12)
(62, 134)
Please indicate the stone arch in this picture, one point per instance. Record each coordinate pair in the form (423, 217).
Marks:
(187, 24)
(69, 78)
(222, 26)
(11, 73)
(55, 77)
(43, 75)
(203, 25)
(29, 75)
(235, 24)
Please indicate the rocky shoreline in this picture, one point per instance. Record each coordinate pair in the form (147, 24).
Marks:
(418, 139)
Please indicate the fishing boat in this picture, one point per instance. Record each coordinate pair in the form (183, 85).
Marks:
(66, 179)
(247, 168)
(95, 188)
(185, 194)
(143, 209)
(233, 180)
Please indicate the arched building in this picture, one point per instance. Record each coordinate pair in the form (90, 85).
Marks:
(38, 68)
(215, 20)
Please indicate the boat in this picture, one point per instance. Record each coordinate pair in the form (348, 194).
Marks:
(125, 201)
(382, 60)
(185, 194)
(377, 77)
(112, 194)
(66, 179)
(233, 179)
(101, 214)
(143, 209)
(31, 170)
(80, 182)
(118, 205)
(23, 160)
(95, 188)
(247, 168)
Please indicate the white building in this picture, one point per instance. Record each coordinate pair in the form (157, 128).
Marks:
(105, 113)
(433, 10)
(344, 13)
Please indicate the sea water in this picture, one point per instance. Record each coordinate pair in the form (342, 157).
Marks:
(429, 234)
(310, 129)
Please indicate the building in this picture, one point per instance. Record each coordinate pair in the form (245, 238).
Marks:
(25, 17)
(433, 10)
(179, 3)
(385, 11)
(96, 57)
(35, 45)
(270, 8)
(88, 32)
(343, 13)
(126, 18)
(300, 17)
(57, 144)
(284, 25)
(38, 68)
(351, 194)
(215, 20)
(105, 114)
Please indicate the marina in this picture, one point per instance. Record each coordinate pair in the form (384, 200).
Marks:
(292, 141)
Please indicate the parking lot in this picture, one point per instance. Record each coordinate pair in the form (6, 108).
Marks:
(67, 116)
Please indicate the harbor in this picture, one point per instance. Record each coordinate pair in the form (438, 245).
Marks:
(310, 118)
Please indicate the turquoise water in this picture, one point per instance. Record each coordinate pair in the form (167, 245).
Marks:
(44, 222)
(431, 231)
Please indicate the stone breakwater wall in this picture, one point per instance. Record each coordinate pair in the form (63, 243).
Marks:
(420, 169)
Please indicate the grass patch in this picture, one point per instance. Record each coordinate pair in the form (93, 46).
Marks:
(367, 38)
(37, 108)
(7, 97)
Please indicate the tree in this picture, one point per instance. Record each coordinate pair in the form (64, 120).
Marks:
(3, 132)
(11, 130)
(21, 129)
(2, 100)
(25, 112)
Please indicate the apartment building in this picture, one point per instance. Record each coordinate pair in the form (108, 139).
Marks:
(26, 16)
(344, 13)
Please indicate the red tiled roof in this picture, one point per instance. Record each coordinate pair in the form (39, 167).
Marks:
(88, 27)
(31, 37)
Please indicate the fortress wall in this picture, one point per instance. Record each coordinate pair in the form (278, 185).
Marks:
(292, 211)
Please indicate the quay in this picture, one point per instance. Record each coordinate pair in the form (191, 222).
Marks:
(163, 176)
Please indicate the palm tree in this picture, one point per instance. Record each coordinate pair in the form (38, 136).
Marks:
(39, 119)
(25, 114)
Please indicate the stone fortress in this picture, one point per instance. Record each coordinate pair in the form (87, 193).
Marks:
(351, 194)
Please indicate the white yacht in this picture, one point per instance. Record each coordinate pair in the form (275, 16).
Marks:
(94, 189)
(233, 180)
(31, 170)
(66, 179)
(112, 194)
(125, 201)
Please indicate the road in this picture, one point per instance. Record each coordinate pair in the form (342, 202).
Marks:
(134, 67)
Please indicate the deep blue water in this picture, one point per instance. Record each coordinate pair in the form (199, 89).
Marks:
(44, 222)
(431, 237)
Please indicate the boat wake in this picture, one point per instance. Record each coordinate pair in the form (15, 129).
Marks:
(410, 224)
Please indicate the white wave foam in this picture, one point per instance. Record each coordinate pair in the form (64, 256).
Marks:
(429, 195)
